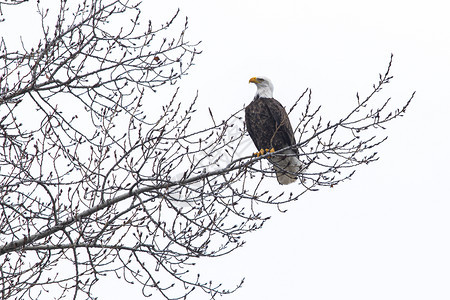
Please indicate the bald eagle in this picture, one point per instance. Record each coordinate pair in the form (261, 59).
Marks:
(270, 129)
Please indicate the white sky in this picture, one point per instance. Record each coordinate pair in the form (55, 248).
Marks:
(385, 233)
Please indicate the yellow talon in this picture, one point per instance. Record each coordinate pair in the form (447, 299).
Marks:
(263, 151)
(272, 150)
(259, 153)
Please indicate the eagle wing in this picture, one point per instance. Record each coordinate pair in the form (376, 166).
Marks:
(268, 124)
(283, 125)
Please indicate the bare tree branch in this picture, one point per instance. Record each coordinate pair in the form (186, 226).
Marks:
(95, 181)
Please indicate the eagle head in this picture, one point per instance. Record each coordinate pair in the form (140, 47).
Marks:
(264, 87)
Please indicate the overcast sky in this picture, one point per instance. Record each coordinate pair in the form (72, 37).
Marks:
(386, 233)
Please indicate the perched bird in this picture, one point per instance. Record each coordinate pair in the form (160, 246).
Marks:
(270, 129)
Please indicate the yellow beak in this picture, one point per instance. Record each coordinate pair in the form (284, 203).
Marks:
(254, 80)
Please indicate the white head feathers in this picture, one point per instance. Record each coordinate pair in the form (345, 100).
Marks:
(264, 87)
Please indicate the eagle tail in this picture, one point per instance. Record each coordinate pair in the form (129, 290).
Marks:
(286, 167)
